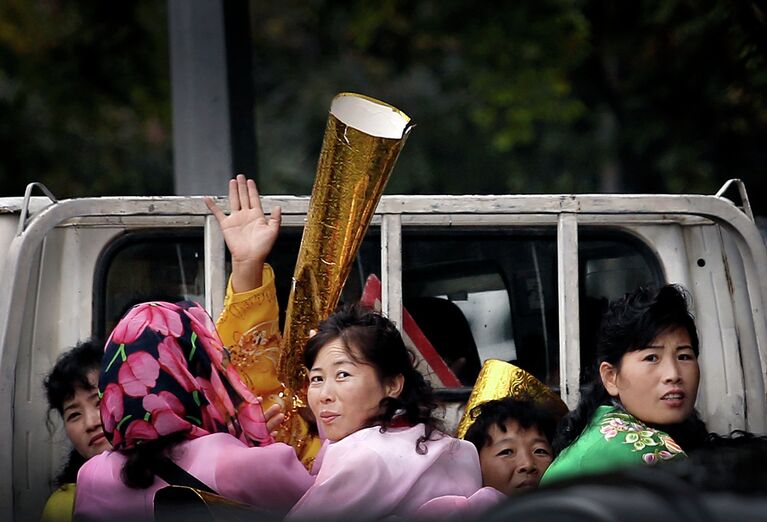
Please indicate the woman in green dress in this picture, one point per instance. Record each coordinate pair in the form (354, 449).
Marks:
(639, 406)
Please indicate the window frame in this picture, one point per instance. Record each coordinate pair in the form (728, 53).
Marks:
(110, 252)
(568, 226)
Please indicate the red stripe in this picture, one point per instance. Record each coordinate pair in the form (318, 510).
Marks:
(371, 295)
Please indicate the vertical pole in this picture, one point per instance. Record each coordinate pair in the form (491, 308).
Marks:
(212, 93)
(215, 270)
(391, 268)
(569, 320)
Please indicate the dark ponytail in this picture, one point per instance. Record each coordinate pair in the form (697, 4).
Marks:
(138, 470)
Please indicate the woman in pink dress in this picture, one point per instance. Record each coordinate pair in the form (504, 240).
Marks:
(384, 454)
(171, 397)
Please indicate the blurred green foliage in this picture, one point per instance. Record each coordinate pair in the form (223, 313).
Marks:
(84, 97)
(528, 96)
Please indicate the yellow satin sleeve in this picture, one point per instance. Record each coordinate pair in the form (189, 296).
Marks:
(249, 327)
(245, 311)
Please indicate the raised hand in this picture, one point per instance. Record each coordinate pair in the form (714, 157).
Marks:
(248, 234)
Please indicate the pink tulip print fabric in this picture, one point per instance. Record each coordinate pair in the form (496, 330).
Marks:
(166, 371)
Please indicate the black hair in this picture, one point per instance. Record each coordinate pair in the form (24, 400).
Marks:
(732, 463)
(68, 374)
(71, 372)
(380, 345)
(138, 471)
(691, 434)
(630, 323)
(528, 414)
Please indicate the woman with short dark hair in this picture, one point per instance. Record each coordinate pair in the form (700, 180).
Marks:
(71, 388)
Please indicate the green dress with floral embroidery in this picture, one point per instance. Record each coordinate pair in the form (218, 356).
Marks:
(613, 439)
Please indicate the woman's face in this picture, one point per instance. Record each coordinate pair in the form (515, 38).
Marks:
(345, 394)
(657, 383)
(82, 420)
(514, 460)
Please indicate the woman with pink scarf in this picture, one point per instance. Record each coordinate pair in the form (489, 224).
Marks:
(173, 405)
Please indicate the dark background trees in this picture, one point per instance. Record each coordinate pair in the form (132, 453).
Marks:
(545, 96)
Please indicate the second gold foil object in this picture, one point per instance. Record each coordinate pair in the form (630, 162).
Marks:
(362, 141)
(499, 379)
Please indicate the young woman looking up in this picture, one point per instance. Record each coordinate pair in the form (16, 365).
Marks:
(71, 388)
(384, 453)
(513, 438)
(643, 392)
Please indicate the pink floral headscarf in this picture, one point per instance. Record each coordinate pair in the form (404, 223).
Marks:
(165, 371)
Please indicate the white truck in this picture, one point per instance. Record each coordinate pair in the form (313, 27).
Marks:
(521, 278)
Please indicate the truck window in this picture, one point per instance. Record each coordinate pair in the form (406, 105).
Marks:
(505, 287)
(169, 264)
(610, 265)
(478, 295)
(475, 295)
(157, 265)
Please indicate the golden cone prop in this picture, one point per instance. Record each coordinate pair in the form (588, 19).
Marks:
(363, 139)
(498, 380)
(256, 356)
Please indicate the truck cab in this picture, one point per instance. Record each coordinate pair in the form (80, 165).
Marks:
(521, 278)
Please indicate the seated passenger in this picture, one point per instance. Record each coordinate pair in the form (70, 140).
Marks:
(513, 438)
(71, 388)
(645, 386)
(172, 403)
(724, 480)
(385, 455)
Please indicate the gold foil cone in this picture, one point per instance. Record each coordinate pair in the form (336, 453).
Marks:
(498, 380)
(352, 172)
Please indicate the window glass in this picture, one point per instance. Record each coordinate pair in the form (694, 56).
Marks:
(474, 294)
(477, 295)
(147, 266)
(169, 265)
(285, 253)
(610, 265)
